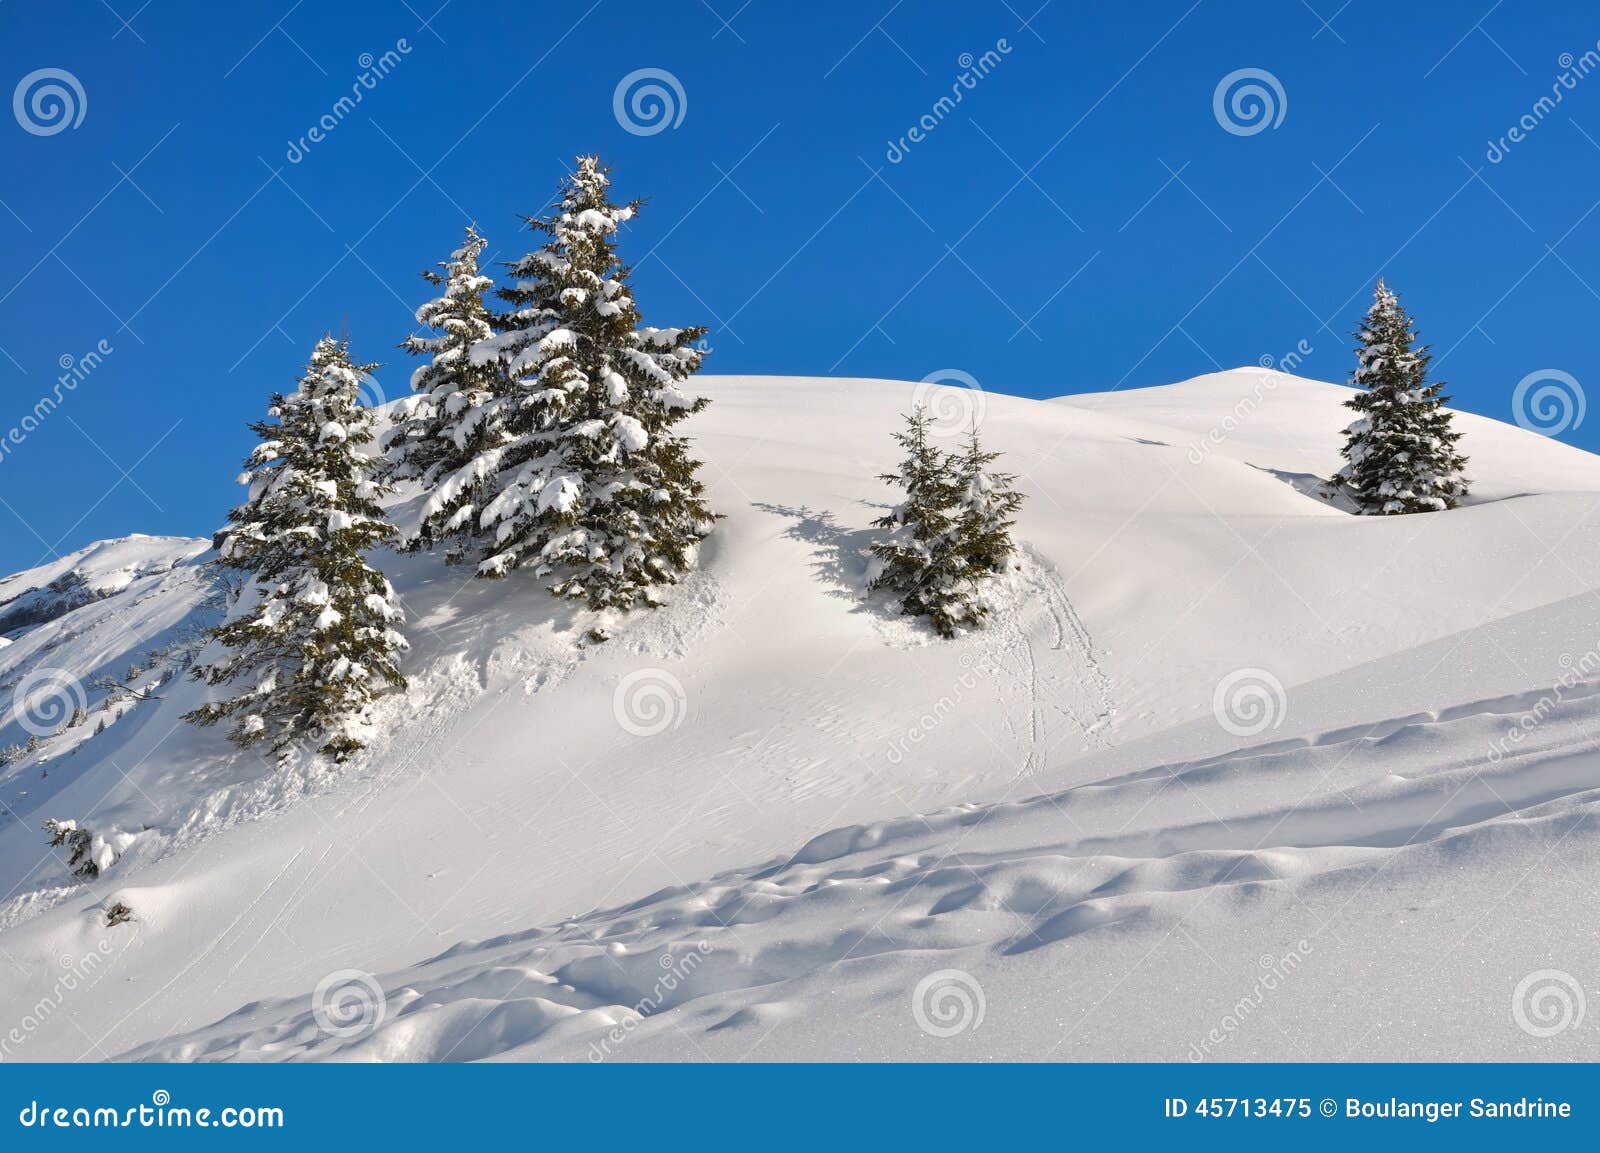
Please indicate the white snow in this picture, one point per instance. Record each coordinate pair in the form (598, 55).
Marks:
(755, 821)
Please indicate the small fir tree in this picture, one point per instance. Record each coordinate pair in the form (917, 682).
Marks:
(1400, 453)
(454, 416)
(922, 558)
(596, 490)
(312, 634)
(988, 505)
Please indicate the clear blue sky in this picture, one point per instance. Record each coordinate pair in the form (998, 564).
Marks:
(1080, 221)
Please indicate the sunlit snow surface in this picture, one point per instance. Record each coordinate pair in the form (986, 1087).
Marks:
(1227, 776)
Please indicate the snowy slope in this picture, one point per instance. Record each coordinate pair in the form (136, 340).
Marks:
(1050, 806)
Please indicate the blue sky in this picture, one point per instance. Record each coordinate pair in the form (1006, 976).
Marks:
(1082, 220)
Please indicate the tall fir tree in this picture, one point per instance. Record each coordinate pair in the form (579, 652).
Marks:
(922, 558)
(596, 490)
(455, 414)
(313, 634)
(1400, 453)
(988, 503)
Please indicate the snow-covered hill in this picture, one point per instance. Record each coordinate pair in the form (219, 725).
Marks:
(1217, 732)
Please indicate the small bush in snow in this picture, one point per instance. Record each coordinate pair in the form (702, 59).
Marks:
(87, 854)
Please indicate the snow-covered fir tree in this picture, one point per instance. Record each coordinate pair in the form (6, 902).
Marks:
(596, 490)
(921, 559)
(453, 417)
(1400, 453)
(312, 637)
(988, 505)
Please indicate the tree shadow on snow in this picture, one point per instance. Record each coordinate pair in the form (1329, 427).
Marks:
(1308, 484)
(841, 554)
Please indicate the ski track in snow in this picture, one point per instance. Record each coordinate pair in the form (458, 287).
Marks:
(1063, 675)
